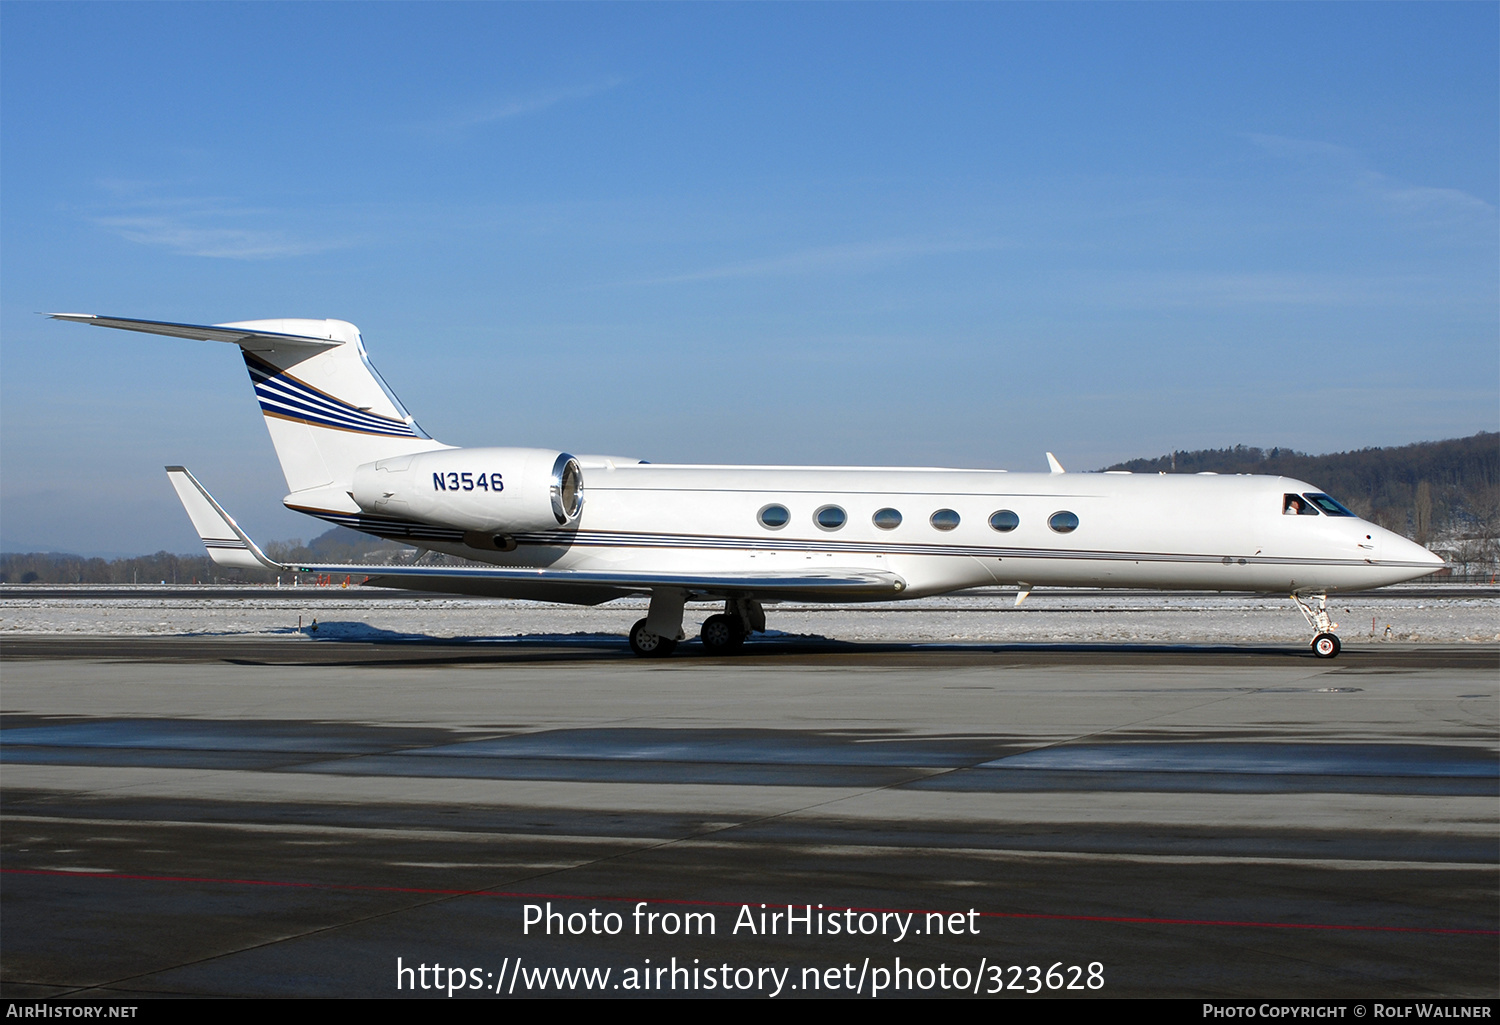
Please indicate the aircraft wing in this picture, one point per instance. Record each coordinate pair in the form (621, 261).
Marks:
(229, 545)
(251, 341)
(851, 582)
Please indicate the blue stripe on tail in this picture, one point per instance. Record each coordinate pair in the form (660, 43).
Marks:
(284, 396)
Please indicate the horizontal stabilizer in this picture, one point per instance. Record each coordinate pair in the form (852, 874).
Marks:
(227, 544)
(251, 340)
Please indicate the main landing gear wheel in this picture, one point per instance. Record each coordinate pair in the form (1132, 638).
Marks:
(649, 645)
(1325, 645)
(722, 634)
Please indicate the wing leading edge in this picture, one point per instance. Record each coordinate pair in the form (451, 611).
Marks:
(229, 545)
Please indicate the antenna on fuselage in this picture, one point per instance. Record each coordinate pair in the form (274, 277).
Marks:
(1054, 464)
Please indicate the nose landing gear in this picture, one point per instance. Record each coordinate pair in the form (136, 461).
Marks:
(1325, 644)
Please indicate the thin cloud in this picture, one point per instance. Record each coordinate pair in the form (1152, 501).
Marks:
(209, 228)
(854, 257)
(1415, 200)
(218, 243)
(1303, 149)
(505, 108)
(127, 187)
(1423, 199)
(1224, 290)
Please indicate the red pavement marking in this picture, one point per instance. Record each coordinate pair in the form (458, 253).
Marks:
(1121, 919)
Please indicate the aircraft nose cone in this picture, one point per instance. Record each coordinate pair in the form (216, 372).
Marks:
(1397, 549)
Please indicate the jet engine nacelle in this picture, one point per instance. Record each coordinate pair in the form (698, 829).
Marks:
(489, 493)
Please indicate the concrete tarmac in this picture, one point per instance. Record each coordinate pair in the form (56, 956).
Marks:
(258, 817)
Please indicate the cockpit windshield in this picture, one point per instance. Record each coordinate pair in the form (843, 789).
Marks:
(1327, 504)
(1296, 505)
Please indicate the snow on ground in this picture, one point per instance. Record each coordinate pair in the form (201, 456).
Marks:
(1056, 616)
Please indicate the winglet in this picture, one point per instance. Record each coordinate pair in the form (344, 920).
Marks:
(227, 544)
(1054, 464)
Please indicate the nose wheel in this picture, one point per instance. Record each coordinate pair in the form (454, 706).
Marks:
(1325, 644)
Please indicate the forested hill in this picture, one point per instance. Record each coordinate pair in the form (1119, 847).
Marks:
(1421, 490)
(340, 545)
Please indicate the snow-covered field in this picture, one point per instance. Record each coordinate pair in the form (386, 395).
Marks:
(1059, 616)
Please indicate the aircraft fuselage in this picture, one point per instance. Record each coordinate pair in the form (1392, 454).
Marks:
(1202, 531)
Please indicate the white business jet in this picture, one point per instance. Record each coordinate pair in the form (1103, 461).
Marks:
(583, 530)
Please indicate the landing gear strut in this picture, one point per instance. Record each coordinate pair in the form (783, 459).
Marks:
(657, 635)
(1325, 644)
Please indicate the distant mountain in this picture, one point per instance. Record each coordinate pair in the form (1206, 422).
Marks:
(1425, 490)
(341, 544)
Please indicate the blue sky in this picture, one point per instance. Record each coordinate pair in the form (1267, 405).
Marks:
(845, 233)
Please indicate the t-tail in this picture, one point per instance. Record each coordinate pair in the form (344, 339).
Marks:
(326, 407)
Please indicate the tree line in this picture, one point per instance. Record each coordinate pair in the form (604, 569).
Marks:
(1428, 490)
(1444, 495)
(337, 545)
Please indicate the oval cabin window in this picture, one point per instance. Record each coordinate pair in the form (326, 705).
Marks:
(774, 517)
(1005, 521)
(830, 517)
(1063, 522)
(886, 519)
(945, 519)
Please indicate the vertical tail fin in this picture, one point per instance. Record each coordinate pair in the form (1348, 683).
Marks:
(325, 405)
(327, 410)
